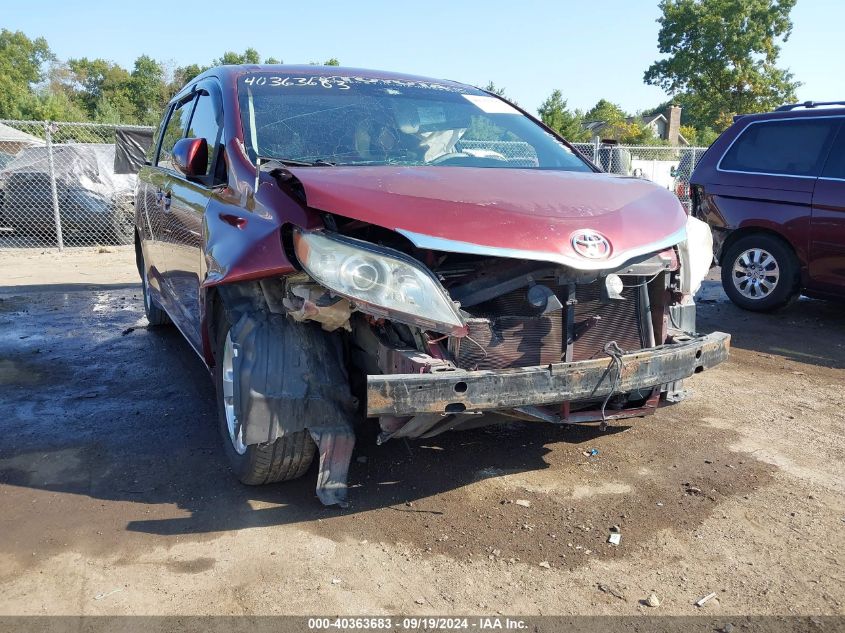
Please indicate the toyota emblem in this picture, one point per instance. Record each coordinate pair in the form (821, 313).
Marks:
(590, 244)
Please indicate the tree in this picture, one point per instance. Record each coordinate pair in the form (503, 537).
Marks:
(184, 74)
(147, 90)
(721, 57)
(606, 111)
(554, 113)
(496, 90)
(100, 87)
(249, 56)
(21, 67)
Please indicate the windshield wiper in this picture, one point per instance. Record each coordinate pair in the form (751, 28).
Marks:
(294, 162)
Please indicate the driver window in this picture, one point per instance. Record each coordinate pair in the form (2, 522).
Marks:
(173, 131)
(205, 123)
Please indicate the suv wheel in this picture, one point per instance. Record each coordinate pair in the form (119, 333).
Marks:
(760, 273)
(287, 458)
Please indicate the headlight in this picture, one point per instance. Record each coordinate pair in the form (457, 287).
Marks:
(696, 255)
(380, 281)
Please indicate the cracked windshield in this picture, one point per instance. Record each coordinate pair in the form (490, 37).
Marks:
(320, 120)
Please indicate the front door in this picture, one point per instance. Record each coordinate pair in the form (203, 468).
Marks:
(188, 200)
(827, 230)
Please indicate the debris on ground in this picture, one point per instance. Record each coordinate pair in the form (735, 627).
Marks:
(615, 538)
(611, 590)
(336, 581)
(652, 600)
(545, 565)
(420, 601)
(702, 601)
(591, 452)
(523, 502)
(100, 596)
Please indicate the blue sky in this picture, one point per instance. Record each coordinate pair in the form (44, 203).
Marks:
(588, 50)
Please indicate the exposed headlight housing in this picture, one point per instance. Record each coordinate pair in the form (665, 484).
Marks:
(696, 255)
(379, 281)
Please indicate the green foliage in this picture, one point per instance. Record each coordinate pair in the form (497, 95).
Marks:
(21, 66)
(570, 125)
(620, 126)
(35, 85)
(606, 111)
(184, 74)
(147, 90)
(721, 57)
(499, 91)
(249, 56)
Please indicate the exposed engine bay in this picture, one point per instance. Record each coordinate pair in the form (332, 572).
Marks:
(506, 315)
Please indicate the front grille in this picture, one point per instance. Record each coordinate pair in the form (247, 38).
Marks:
(509, 332)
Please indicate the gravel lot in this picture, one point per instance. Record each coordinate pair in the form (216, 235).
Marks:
(116, 498)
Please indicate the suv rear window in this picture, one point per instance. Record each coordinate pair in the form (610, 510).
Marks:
(791, 148)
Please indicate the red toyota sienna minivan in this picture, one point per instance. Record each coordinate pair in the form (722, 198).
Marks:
(772, 188)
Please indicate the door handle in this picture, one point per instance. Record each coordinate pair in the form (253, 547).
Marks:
(164, 200)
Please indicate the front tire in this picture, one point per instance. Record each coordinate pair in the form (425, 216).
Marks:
(255, 464)
(760, 272)
(155, 315)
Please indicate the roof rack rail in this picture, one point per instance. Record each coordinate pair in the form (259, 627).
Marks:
(808, 104)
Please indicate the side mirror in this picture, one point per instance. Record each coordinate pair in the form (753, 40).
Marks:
(190, 157)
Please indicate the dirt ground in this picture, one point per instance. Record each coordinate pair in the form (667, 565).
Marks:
(116, 500)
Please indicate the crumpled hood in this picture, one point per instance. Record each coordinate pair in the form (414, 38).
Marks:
(520, 213)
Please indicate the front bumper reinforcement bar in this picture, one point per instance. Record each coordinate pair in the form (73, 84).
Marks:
(467, 391)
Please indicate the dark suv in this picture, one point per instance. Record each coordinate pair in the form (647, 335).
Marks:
(772, 188)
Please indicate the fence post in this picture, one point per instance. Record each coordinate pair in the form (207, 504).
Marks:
(596, 151)
(57, 219)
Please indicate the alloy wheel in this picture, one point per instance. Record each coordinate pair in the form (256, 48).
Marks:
(755, 274)
(236, 432)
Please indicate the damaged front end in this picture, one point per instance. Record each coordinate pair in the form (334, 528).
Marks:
(428, 340)
(436, 345)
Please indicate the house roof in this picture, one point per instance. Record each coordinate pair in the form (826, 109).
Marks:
(598, 126)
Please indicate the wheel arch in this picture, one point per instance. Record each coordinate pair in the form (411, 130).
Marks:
(745, 231)
(210, 304)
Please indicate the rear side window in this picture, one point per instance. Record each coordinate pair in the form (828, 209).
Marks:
(173, 131)
(835, 167)
(789, 148)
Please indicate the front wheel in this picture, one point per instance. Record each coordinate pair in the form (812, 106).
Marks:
(286, 458)
(760, 273)
(155, 315)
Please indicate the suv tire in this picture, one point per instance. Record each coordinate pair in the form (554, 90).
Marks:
(760, 272)
(287, 458)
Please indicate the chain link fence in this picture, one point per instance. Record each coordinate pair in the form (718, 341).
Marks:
(668, 166)
(58, 186)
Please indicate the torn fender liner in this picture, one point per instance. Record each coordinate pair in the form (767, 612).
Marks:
(289, 377)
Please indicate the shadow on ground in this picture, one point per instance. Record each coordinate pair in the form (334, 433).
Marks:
(100, 405)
